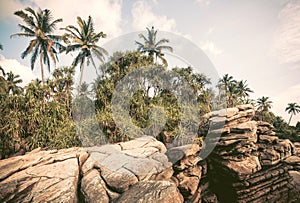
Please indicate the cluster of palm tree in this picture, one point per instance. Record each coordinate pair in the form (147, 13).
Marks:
(235, 92)
(40, 26)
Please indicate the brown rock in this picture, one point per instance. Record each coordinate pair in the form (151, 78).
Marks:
(41, 176)
(93, 187)
(152, 191)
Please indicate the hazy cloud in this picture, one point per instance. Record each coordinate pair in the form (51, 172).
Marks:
(7, 9)
(105, 13)
(287, 35)
(203, 2)
(17, 68)
(210, 48)
(143, 17)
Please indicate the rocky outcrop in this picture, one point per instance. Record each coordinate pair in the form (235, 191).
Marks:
(135, 171)
(249, 162)
(41, 176)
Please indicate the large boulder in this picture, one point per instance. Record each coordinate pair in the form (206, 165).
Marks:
(41, 176)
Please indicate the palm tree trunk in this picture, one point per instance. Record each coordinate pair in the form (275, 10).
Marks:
(290, 119)
(43, 78)
(42, 69)
(81, 74)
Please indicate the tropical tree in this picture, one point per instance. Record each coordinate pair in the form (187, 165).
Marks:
(264, 104)
(293, 109)
(39, 25)
(152, 46)
(227, 88)
(12, 83)
(84, 39)
(243, 89)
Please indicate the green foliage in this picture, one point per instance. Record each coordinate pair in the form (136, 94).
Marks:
(29, 122)
(234, 92)
(142, 101)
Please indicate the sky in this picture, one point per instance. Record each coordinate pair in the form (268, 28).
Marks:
(253, 40)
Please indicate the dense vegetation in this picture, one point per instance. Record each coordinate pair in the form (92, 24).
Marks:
(52, 113)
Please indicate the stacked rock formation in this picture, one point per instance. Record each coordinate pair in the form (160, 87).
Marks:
(190, 174)
(248, 163)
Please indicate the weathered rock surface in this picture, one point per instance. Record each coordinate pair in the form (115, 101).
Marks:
(152, 191)
(100, 174)
(41, 176)
(250, 164)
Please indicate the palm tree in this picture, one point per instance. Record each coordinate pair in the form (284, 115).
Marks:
(225, 81)
(293, 109)
(39, 26)
(152, 46)
(84, 39)
(264, 104)
(243, 89)
(12, 83)
(228, 85)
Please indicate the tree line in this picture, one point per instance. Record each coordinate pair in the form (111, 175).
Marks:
(46, 113)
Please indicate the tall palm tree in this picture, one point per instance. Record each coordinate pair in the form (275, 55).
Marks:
(84, 39)
(264, 104)
(293, 109)
(153, 46)
(40, 27)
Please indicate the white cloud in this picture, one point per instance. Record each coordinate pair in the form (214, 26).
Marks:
(203, 2)
(105, 13)
(281, 101)
(18, 69)
(287, 35)
(143, 17)
(8, 8)
(210, 48)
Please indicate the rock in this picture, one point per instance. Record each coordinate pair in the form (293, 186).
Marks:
(244, 127)
(244, 107)
(243, 168)
(296, 179)
(143, 142)
(176, 153)
(268, 139)
(48, 176)
(124, 164)
(230, 112)
(93, 188)
(152, 191)
(269, 157)
(189, 180)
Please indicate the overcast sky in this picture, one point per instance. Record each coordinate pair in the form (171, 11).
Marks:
(253, 40)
